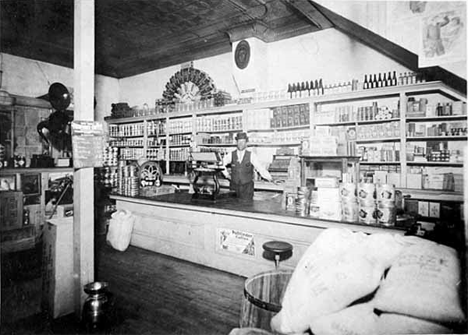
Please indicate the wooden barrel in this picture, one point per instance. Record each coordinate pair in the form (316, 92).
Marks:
(263, 294)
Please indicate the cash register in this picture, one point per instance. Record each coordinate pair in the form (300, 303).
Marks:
(204, 168)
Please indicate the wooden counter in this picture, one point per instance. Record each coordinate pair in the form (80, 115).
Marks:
(174, 225)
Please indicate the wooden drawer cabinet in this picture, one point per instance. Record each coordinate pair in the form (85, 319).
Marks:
(11, 210)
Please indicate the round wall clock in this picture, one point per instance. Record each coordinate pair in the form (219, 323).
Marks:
(189, 85)
(242, 54)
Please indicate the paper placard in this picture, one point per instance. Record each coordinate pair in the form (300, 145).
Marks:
(236, 241)
(87, 143)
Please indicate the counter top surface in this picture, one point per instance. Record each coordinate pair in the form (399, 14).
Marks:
(265, 205)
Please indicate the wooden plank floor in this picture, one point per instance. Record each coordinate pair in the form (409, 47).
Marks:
(153, 294)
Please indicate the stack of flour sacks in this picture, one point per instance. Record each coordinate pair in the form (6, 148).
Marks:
(353, 283)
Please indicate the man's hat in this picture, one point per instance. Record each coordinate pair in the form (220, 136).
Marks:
(242, 136)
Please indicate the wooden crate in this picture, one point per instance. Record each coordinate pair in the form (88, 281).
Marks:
(11, 210)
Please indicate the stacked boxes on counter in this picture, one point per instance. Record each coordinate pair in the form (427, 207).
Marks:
(326, 201)
(383, 174)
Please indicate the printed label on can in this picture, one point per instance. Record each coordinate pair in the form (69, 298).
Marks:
(366, 192)
(349, 211)
(348, 190)
(386, 192)
(367, 215)
(386, 215)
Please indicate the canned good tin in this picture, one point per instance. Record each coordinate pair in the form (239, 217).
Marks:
(367, 215)
(386, 215)
(386, 192)
(349, 211)
(366, 192)
(348, 191)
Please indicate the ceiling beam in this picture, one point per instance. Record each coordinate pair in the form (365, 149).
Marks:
(310, 12)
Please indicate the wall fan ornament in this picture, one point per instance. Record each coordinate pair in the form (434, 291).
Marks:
(189, 85)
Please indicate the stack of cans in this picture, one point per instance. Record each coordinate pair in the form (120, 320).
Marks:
(349, 202)
(386, 209)
(128, 180)
(367, 205)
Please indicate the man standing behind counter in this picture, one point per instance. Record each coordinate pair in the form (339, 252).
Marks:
(243, 164)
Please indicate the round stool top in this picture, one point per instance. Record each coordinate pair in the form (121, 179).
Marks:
(277, 246)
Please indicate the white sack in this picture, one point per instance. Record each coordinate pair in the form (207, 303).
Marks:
(120, 229)
(332, 274)
(424, 283)
(359, 319)
(384, 248)
(403, 324)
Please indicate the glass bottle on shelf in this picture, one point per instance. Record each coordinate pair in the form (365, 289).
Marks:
(365, 85)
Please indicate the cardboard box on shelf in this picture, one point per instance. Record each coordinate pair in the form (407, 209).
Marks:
(57, 267)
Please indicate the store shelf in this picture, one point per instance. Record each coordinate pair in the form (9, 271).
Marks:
(381, 139)
(363, 122)
(269, 130)
(379, 163)
(436, 118)
(288, 144)
(219, 131)
(436, 138)
(454, 164)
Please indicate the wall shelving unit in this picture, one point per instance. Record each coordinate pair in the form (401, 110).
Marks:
(398, 95)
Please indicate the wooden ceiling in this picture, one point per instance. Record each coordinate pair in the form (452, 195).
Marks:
(137, 36)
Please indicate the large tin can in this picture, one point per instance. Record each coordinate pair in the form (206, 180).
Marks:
(366, 192)
(348, 191)
(367, 214)
(386, 215)
(349, 211)
(386, 193)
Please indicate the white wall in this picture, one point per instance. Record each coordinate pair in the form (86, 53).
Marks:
(326, 54)
(395, 21)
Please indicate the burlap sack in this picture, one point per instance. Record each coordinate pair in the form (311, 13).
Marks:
(402, 324)
(332, 274)
(356, 320)
(423, 283)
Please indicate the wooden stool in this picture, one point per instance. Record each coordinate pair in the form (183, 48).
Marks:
(278, 248)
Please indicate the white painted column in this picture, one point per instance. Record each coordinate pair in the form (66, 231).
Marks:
(83, 197)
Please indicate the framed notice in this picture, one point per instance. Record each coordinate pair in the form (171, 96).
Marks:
(236, 241)
(87, 143)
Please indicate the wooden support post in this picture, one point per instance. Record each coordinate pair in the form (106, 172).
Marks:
(83, 195)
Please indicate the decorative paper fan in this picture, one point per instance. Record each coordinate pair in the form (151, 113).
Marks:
(150, 174)
(188, 85)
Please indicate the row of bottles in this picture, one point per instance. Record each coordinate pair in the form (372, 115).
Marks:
(380, 80)
(390, 78)
(306, 89)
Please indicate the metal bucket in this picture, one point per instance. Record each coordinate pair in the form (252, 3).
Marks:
(263, 294)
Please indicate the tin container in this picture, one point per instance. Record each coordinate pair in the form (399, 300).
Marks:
(386, 193)
(349, 211)
(348, 191)
(367, 214)
(386, 215)
(366, 192)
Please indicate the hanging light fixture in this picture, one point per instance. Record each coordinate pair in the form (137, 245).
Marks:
(5, 98)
